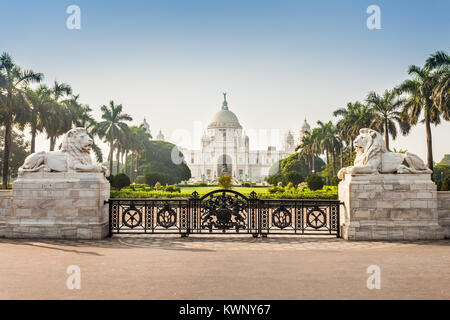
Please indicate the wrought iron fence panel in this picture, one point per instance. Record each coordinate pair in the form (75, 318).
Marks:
(224, 212)
(149, 216)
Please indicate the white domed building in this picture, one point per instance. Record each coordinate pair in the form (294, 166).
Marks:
(225, 149)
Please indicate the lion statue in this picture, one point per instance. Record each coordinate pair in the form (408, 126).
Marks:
(373, 157)
(73, 157)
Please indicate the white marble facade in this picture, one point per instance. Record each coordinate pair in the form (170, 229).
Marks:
(225, 146)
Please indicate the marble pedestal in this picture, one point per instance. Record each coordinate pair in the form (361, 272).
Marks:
(389, 207)
(57, 205)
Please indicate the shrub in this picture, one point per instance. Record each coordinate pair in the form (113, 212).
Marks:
(446, 184)
(275, 179)
(334, 181)
(314, 181)
(224, 181)
(273, 190)
(172, 188)
(157, 185)
(120, 181)
(111, 180)
(290, 185)
(247, 184)
(302, 185)
(201, 184)
(293, 177)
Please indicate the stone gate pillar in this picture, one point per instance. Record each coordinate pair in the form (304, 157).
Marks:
(61, 205)
(389, 207)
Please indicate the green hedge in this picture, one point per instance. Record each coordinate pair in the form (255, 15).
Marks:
(305, 193)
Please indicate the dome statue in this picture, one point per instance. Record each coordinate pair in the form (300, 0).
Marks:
(160, 136)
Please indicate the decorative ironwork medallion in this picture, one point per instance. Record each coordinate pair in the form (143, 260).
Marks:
(132, 217)
(167, 217)
(281, 218)
(316, 218)
(223, 211)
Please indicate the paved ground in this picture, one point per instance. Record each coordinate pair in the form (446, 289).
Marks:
(157, 267)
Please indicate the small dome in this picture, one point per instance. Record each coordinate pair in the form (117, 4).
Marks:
(289, 136)
(305, 126)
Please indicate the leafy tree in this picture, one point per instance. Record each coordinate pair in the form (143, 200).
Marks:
(446, 183)
(445, 159)
(440, 171)
(19, 151)
(164, 157)
(297, 164)
(151, 178)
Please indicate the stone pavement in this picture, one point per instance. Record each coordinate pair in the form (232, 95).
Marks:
(223, 267)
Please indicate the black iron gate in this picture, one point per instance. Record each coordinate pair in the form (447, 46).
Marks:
(224, 212)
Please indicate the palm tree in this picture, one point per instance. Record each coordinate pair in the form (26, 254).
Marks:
(310, 148)
(419, 91)
(306, 151)
(440, 62)
(139, 144)
(13, 104)
(113, 122)
(40, 103)
(329, 142)
(80, 115)
(354, 117)
(386, 114)
(60, 120)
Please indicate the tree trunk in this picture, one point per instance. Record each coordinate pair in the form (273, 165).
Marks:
(126, 162)
(334, 163)
(118, 160)
(429, 140)
(386, 134)
(313, 165)
(52, 143)
(328, 163)
(33, 140)
(111, 150)
(350, 152)
(6, 150)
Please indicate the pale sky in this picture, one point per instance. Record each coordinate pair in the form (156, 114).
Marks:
(280, 61)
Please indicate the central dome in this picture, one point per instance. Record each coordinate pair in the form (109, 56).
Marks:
(224, 118)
